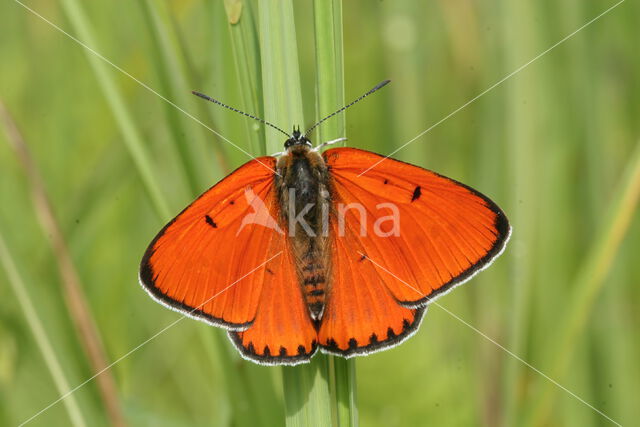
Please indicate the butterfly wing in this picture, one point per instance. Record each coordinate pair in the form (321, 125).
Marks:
(282, 333)
(445, 232)
(192, 264)
(225, 260)
(361, 316)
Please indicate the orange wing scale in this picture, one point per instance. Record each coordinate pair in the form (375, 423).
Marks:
(381, 285)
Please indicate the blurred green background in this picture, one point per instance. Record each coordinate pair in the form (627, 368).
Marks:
(555, 145)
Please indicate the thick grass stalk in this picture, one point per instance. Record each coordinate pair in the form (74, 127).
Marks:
(590, 280)
(329, 97)
(306, 387)
(131, 135)
(282, 93)
(44, 345)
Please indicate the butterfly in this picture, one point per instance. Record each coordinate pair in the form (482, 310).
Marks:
(339, 251)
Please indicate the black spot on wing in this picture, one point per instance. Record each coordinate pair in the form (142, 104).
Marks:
(373, 339)
(502, 232)
(210, 221)
(417, 192)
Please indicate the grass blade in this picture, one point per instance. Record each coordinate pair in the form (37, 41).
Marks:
(75, 297)
(40, 335)
(306, 393)
(521, 151)
(246, 53)
(306, 387)
(329, 97)
(590, 280)
(171, 76)
(124, 118)
(282, 94)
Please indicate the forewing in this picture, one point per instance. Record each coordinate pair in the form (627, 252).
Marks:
(206, 262)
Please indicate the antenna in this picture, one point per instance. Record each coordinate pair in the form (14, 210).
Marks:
(378, 86)
(215, 101)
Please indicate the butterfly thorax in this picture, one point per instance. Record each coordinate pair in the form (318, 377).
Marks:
(304, 198)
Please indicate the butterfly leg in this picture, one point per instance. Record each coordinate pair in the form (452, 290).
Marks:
(324, 144)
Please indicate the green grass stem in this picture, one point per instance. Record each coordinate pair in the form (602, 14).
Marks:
(330, 95)
(306, 387)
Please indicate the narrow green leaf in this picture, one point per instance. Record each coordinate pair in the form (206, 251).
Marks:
(520, 151)
(330, 97)
(173, 84)
(306, 393)
(329, 68)
(590, 280)
(40, 335)
(115, 99)
(343, 391)
(282, 94)
(246, 54)
(306, 387)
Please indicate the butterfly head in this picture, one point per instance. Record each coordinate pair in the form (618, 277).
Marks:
(297, 139)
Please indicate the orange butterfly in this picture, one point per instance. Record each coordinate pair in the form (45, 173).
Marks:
(304, 251)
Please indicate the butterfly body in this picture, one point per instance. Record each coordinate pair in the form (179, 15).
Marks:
(304, 197)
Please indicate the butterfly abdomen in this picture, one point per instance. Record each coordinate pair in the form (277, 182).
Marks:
(314, 284)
